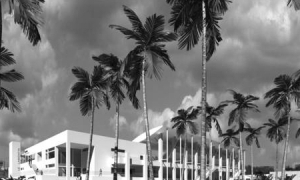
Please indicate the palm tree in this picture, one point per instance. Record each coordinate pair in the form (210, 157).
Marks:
(253, 135)
(294, 3)
(276, 132)
(114, 69)
(192, 19)
(91, 91)
(146, 57)
(239, 114)
(7, 99)
(287, 89)
(27, 13)
(229, 138)
(185, 121)
(212, 114)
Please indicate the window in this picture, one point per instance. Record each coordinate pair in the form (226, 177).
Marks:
(49, 165)
(50, 153)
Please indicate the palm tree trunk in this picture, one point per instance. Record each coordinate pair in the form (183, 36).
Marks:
(251, 161)
(203, 101)
(88, 162)
(148, 145)
(276, 166)
(241, 155)
(286, 143)
(116, 143)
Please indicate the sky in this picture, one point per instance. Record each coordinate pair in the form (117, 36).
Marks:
(260, 42)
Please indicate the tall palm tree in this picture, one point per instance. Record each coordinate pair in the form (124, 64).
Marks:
(239, 116)
(294, 3)
(286, 90)
(183, 122)
(253, 135)
(91, 90)
(27, 13)
(191, 19)
(114, 70)
(146, 57)
(7, 99)
(276, 132)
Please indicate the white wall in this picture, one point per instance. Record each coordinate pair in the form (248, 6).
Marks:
(14, 159)
(102, 157)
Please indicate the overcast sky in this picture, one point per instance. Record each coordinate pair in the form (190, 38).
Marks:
(260, 41)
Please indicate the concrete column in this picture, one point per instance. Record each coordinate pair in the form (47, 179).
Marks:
(220, 161)
(174, 164)
(127, 166)
(186, 166)
(160, 159)
(244, 154)
(196, 165)
(220, 168)
(192, 159)
(56, 160)
(233, 163)
(239, 160)
(227, 165)
(167, 146)
(145, 167)
(14, 159)
(180, 158)
(211, 164)
(68, 160)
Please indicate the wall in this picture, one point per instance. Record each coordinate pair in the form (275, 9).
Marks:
(103, 156)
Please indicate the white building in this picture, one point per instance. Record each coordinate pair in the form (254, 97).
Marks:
(64, 156)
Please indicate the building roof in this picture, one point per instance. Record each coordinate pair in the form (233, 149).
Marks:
(142, 137)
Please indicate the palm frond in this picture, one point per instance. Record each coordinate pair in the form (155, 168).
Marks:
(297, 133)
(129, 34)
(82, 75)
(6, 57)
(136, 23)
(86, 104)
(294, 3)
(9, 101)
(11, 76)
(27, 14)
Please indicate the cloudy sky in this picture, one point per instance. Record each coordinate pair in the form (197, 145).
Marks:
(260, 42)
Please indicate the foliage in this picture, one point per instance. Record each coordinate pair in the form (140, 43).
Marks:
(7, 99)
(27, 13)
(186, 17)
(229, 138)
(185, 120)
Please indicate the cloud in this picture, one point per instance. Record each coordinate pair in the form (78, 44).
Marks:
(155, 119)
(122, 122)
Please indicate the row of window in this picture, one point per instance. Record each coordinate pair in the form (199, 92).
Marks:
(50, 153)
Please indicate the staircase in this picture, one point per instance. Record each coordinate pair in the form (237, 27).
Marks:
(35, 169)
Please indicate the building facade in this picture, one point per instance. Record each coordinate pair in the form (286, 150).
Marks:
(64, 157)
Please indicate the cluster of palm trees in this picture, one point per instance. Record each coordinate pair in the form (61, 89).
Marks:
(286, 90)
(191, 20)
